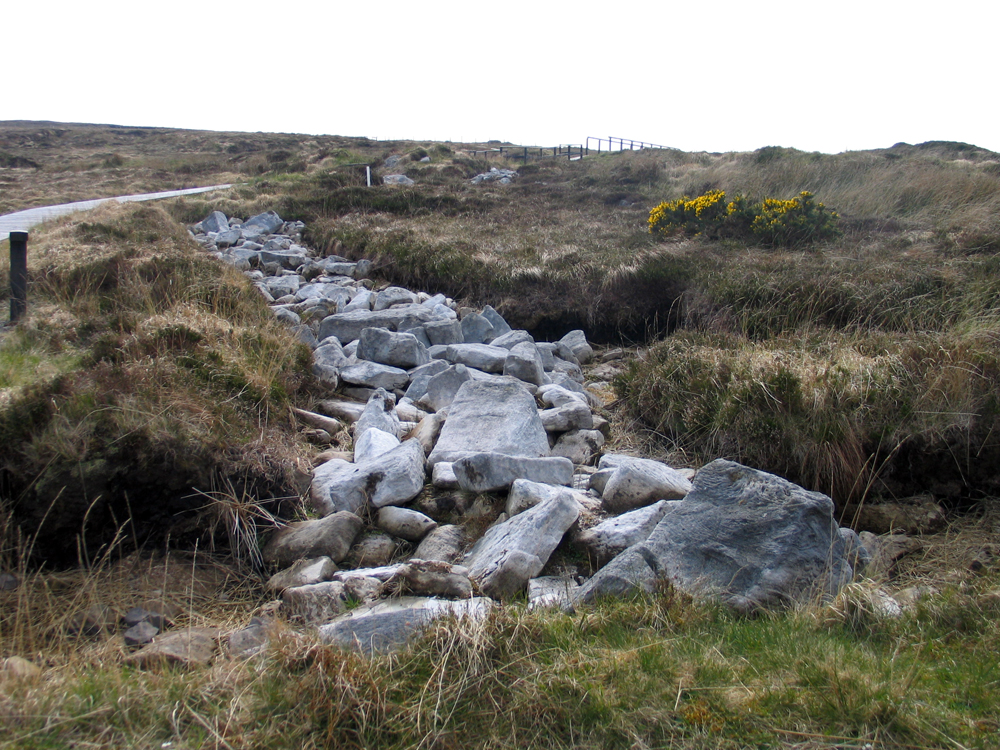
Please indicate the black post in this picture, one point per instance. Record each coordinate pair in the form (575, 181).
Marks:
(18, 275)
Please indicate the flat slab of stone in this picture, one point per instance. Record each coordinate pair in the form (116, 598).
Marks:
(190, 647)
(347, 326)
(491, 417)
(330, 537)
(613, 536)
(388, 624)
(393, 478)
(745, 537)
(374, 375)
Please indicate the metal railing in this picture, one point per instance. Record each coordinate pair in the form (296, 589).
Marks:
(623, 144)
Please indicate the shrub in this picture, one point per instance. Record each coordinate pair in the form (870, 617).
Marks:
(773, 222)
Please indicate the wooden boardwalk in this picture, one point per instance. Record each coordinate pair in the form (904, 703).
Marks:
(22, 221)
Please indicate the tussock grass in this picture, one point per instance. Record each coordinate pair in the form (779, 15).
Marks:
(143, 371)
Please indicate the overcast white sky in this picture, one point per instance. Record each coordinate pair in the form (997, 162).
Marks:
(714, 75)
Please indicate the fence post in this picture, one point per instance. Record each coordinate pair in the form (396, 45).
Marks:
(368, 174)
(18, 275)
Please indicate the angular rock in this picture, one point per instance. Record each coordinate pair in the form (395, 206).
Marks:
(512, 339)
(443, 476)
(525, 494)
(190, 647)
(511, 553)
(372, 444)
(404, 523)
(748, 538)
(444, 332)
(374, 375)
(215, 222)
(490, 472)
(395, 349)
(552, 591)
(445, 543)
(268, 221)
(577, 343)
(302, 573)
(397, 179)
(394, 478)
(318, 602)
(500, 326)
(433, 578)
(636, 482)
(140, 634)
(579, 446)
(555, 395)
(347, 326)
(388, 624)
(421, 376)
(427, 432)
(442, 388)
(327, 537)
(361, 301)
(476, 329)
(480, 356)
(349, 411)
(613, 536)
(491, 416)
(392, 296)
(379, 413)
(249, 641)
(524, 363)
(572, 416)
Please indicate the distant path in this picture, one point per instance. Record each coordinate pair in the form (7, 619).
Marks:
(21, 221)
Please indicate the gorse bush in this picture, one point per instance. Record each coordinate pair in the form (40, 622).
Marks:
(773, 222)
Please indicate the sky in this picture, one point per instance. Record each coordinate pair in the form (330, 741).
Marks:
(708, 76)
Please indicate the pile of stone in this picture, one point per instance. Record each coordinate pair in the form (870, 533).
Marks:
(448, 403)
(503, 176)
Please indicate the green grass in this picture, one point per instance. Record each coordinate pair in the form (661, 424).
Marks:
(653, 672)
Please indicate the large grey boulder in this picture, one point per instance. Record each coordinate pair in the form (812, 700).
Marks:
(393, 478)
(269, 222)
(748, 538)
(491, 417)
(404, 523)
(525, 494)
(372, 444)
(636, 482)
(421, 376)
(433, 578)
(215, 222)
(480, 356)
(445, 543)
(374, 375)
(490, 472)
(392, 296)
(302, 573)
(476, 329)
(511, 553)
(388, 624)
(571, 416)
(576, 341)
(512, 339)
(579, 446)
(524, 363)
(314, 603)
(362, 301)
(396, 349)
(613, 536)
(500, 326)
(330, 537)
(444, 332)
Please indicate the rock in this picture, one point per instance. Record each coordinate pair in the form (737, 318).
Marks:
(215, 222)
(513, 338)
(500, 326)
(393, 478)
(93, 621)
(318, 602)
(374, 375)
(421, 376)
(363, 301)
(397, 179)
(347, 326)
(140, 634)
(555, 395)
(404, 523)
(579, 446)
(349, 411)
(489, 472)
(268, 221)
(389, 624)
(480, 356)
(379, 413)
(751, 539)
(373, 443)
(20, 668)
(855, 551)
(636, 482)
(512, 552)
(476, 329)
(442, 388)
(613, 536)
(525, 494)
(319, 421)
(573, 416)
(327, 537)
(433, 578)
(249, 641)
(524, 363)
(885, 551)
(158, 613)
(190, 647)
(9, 582)
(302, 573)
(392, 296)
(444, 332)
(373, 549)
(916, 515)
(491, 416)
(444, 543)
(577, 343)
(552, 591)
(443, 476)
(428, 431)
